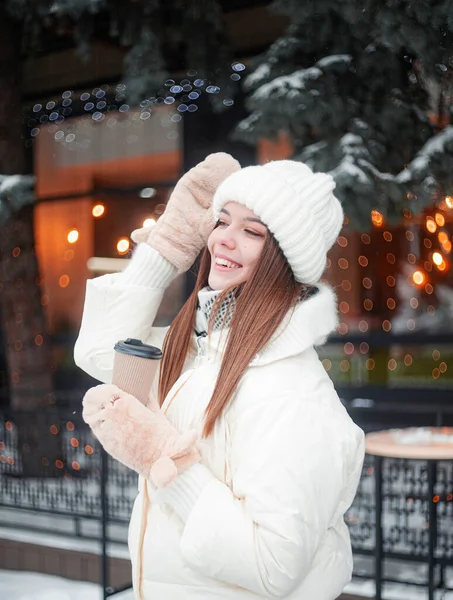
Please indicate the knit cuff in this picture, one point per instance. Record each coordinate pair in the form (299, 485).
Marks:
(148, 268)
(183, 493)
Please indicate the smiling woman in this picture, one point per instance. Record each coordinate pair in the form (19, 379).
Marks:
(259, 511)
(235, 246)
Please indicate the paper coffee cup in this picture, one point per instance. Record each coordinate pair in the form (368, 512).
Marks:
(134, 367)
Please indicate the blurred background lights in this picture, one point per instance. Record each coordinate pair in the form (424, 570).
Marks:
(73, 236)
(431, 225)
(147, 192)
(122, 246)
(440, 219)
(64, 281)
(98, 210)
(449, 201)
(377, 218)
(418, 277)
(437, 258)
(149, 222)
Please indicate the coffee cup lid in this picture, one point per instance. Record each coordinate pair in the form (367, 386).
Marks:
(138, 348)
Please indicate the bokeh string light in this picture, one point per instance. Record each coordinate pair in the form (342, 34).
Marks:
(184, 94)
(389, 284)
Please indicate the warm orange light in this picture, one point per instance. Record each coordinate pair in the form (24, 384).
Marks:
(64, 281)
(442, 237)
(440, 219)
(149, 222)
(123, 246)
(98, 210)
(386, 326)
(73, 236)
(431, 225)
(447, 246)
(363, 261)
(418, 277)
(437, 258)
(377, 218)
(449, 201)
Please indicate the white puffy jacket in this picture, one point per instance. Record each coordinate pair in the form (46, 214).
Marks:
(284, 460)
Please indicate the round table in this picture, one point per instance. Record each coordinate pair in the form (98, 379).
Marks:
(428, 444)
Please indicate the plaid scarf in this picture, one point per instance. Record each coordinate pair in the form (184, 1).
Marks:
(206, 299)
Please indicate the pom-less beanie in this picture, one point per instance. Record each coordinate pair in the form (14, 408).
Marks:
(298, 207)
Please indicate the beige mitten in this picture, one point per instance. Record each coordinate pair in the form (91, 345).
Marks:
(182, 231)
(142, 439)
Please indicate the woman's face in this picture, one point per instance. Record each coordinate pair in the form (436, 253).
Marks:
(235, 246)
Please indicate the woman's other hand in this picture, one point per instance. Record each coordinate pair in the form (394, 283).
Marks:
(142, 439)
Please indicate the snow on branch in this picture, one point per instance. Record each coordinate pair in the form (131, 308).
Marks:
(418, 169)
(294, 82)
(16, 191)
(260, 74)
(284, 85)
(62, 7)
(347, 171)
(334, 60)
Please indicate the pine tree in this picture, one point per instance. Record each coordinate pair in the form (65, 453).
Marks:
(362, 89)
(359, 87)
(158, 35)
(23, 322)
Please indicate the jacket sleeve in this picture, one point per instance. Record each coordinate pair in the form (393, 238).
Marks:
(292, 477)
(121, 305)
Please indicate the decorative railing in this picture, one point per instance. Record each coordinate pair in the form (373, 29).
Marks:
(50, 464)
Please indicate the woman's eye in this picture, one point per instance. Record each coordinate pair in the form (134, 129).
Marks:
(220, 223)
(252, 232)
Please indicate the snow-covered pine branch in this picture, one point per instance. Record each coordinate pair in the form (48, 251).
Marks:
(16, 191)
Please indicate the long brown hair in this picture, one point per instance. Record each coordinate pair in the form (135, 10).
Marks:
(262, 302)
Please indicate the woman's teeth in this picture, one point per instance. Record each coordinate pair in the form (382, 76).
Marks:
(226, 263)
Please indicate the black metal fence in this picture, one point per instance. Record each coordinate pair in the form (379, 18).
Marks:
(52, 465)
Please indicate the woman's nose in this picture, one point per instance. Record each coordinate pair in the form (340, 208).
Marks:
(227, 239)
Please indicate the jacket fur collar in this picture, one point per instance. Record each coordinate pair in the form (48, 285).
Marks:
(309, 325)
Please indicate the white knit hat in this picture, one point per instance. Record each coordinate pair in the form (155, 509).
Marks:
(298, 207)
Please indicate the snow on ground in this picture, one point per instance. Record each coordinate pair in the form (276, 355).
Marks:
(392, 591)
(63, 543)
(22, 585)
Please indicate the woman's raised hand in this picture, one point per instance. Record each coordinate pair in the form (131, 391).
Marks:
(182, 231)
